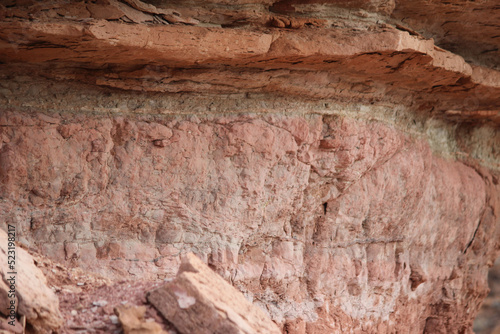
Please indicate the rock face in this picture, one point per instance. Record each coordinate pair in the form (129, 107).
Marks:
(334, 165)
(304, 214)
(487, 320)
(468, 28)
(307, 49)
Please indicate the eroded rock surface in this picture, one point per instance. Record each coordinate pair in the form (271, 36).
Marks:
(469, 28)
(346, 50)
(322, 220)
(327, 158)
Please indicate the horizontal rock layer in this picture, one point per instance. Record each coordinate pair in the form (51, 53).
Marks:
(277, 51)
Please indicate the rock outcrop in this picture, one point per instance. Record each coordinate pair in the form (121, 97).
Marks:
(318, 212)
(368, 58)
(326, 158)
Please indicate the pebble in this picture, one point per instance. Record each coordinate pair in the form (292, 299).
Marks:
(114, 319)
(100, 303)
(74, 312)
(80, 284)
(94, 309)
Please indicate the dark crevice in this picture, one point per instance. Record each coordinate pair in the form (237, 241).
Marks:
(473, 237)
(416, 277)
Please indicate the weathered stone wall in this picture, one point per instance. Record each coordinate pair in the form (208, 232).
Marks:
(327, 160)
(322, 219)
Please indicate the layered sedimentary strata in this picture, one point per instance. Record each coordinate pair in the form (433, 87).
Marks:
(366, 58)
(324, 157)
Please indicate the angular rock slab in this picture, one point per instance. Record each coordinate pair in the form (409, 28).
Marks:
(133, 322)
(35, 299)
(199, 301)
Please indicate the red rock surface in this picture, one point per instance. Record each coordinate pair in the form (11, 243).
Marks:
(315, 52)
(328, 220)
(327, 158)
(488, 319)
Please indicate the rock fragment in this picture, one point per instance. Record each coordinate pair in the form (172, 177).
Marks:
(100, 303)
(36, 301)
(199, 301)
(133, 322)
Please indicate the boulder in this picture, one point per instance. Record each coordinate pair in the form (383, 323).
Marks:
(35, 300)
(199, 301)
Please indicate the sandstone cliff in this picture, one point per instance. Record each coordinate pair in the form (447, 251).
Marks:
(336, 161)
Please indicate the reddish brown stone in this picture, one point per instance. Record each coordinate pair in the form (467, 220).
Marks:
(200, 301)
(355, 225)
(334, 163)
(33, 299)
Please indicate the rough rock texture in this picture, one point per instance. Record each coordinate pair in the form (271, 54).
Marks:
(199, 301)
(133, 322)
(488, 319)
(324, 157)
(468, 28)
(343, 55)
(34, 300)
(279, 205)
